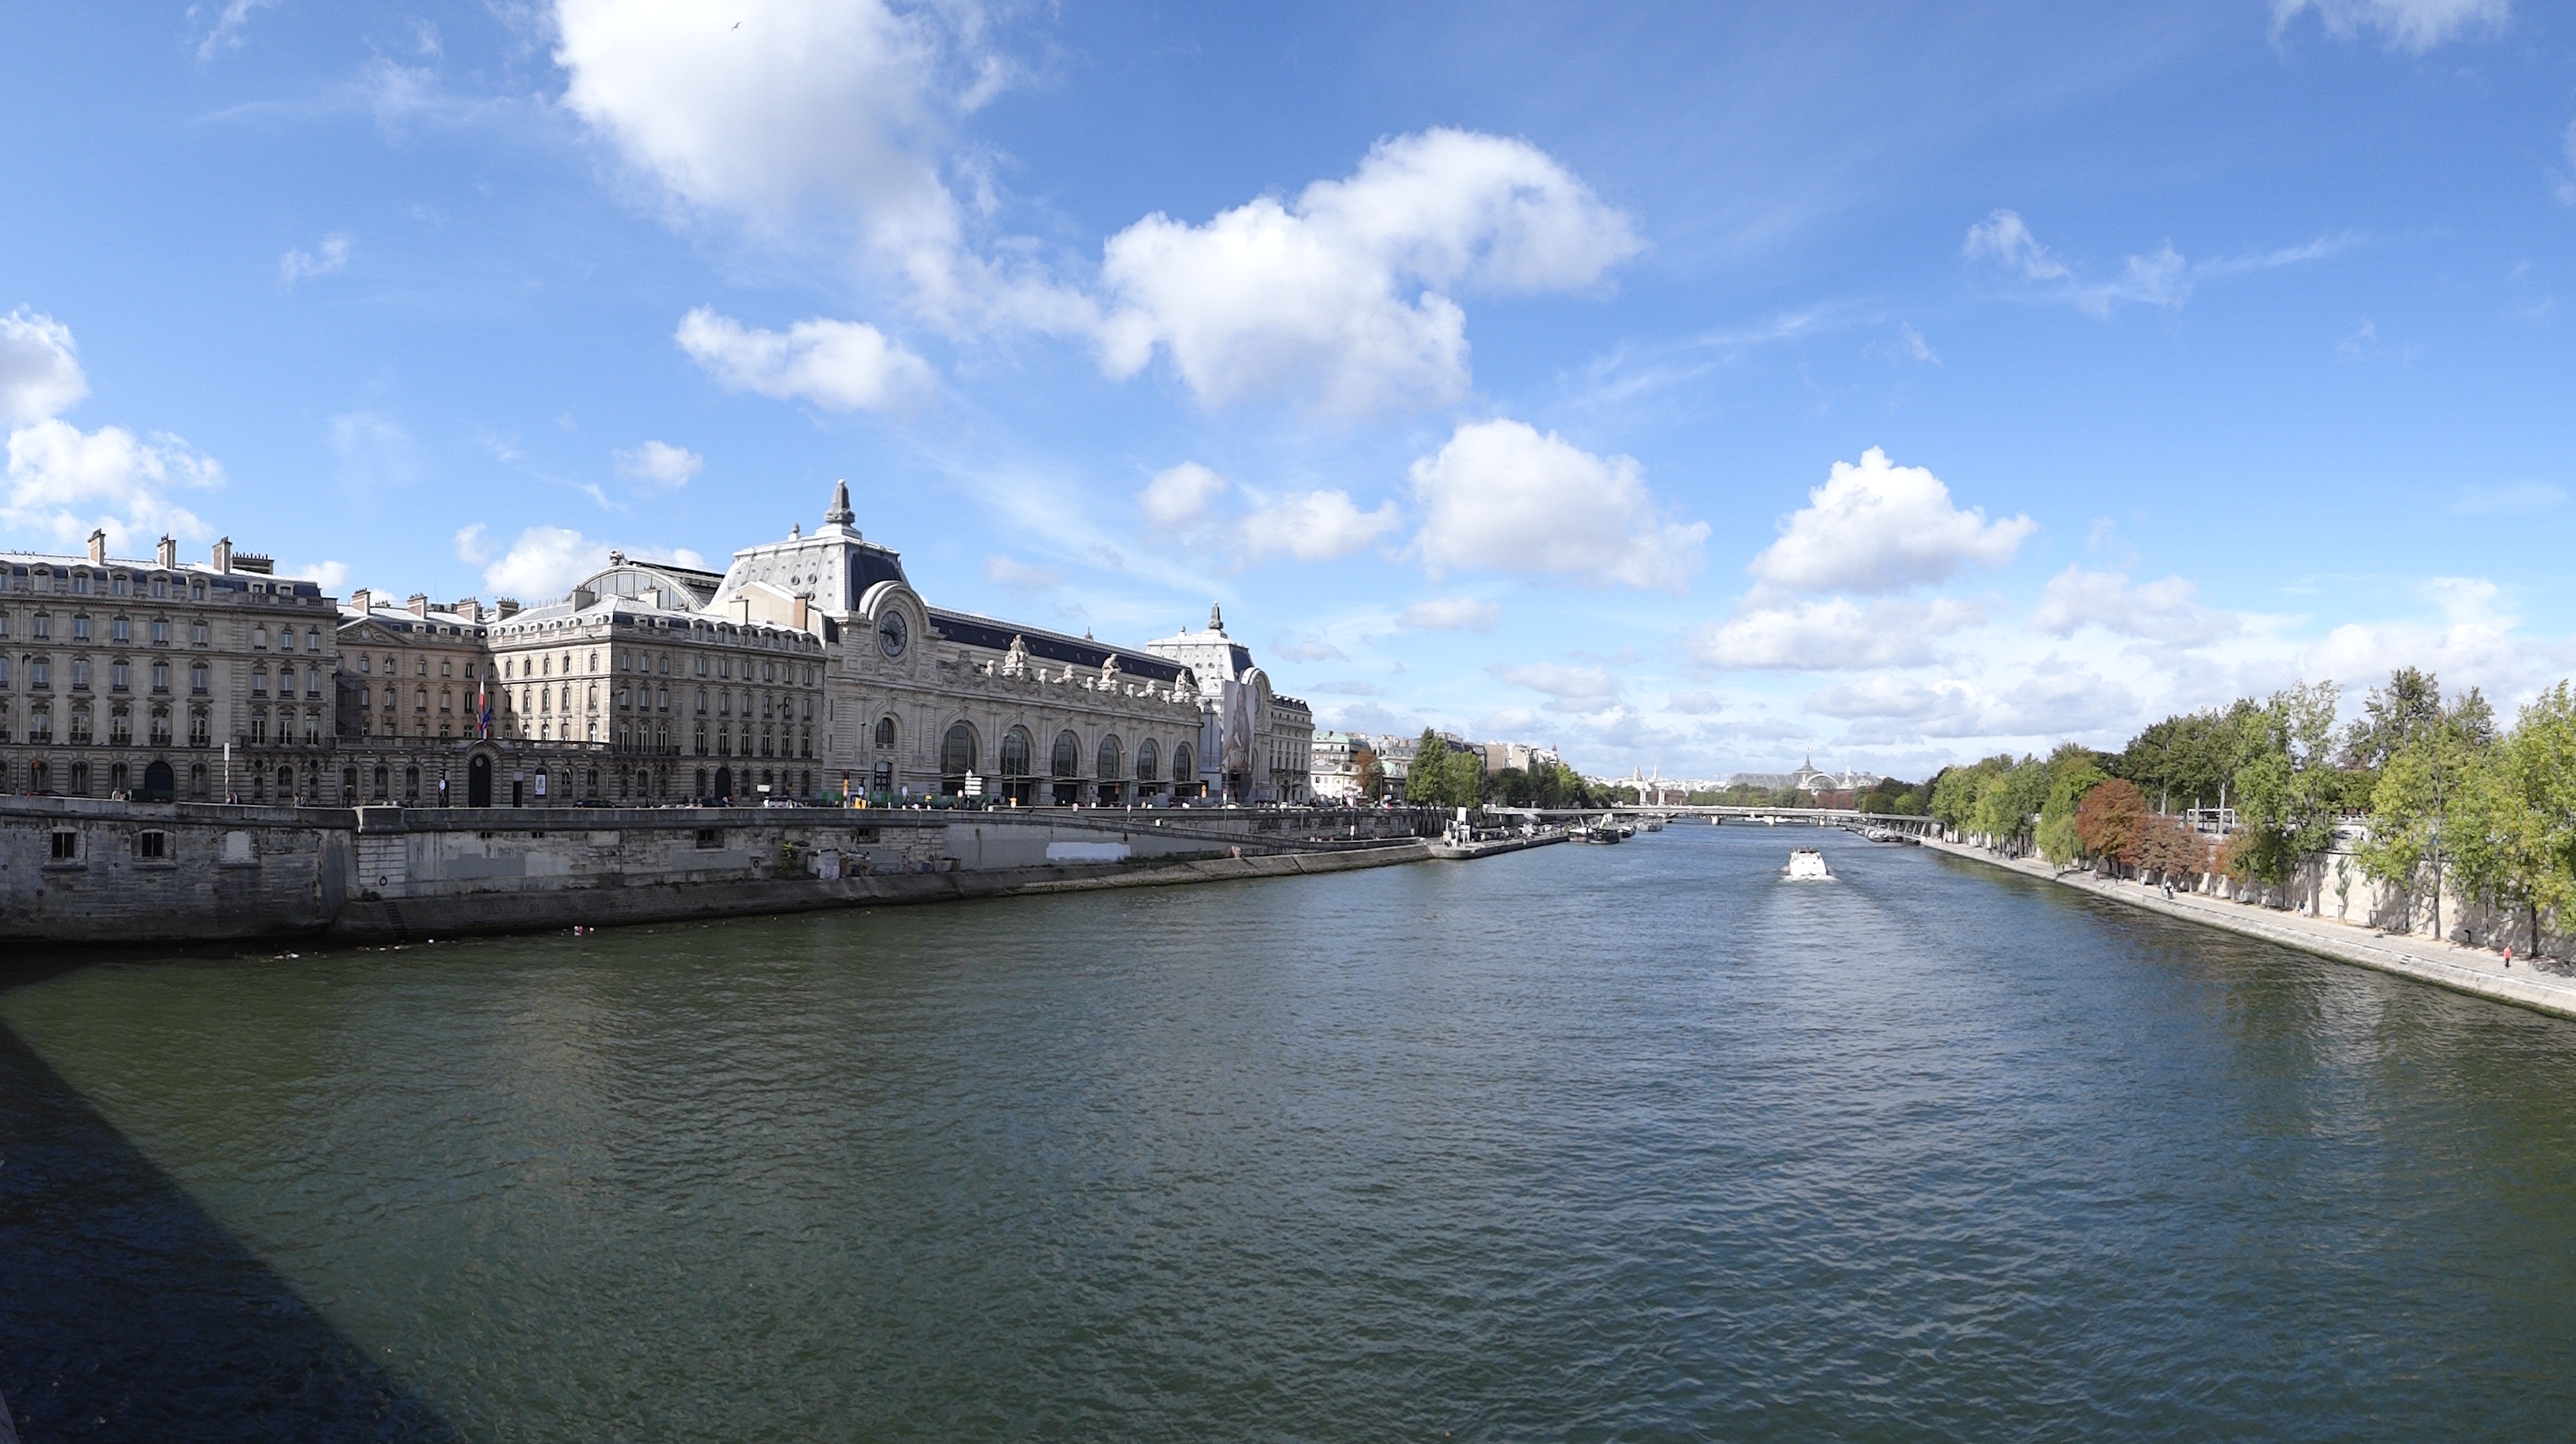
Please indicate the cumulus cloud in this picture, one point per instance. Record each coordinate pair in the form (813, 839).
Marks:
(545, 561)
(837, 365)
(63, 482)
(1502, 497)
(1877, 527)
(1315, 526)
(659, 464)
(1450, 614)
(1834, 634)
(1571, 689)
(2409, 25)
(1337, 299)
(301, 265)
(2055, 701)
(332, 577)
(1312, 526)
(1180, 496)
(2471, 644)
(2166, 611)
(1019, 577)
(40, 374)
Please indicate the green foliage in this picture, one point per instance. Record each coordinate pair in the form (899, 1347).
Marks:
(2008, 799)
(1889, 795)
(1444, 776)
(2188, 760)
(2287, 789)
(2073, 771)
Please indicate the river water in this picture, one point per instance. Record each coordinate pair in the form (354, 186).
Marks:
(1585, 1143)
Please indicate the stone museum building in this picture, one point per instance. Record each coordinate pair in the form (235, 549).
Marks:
(808, 668)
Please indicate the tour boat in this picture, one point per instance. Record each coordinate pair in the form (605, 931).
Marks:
(1806, 864)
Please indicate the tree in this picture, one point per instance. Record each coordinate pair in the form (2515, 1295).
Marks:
(2287, 790)
(1443, 776)
(2008, 799)
(2167, 846)
(2432, 792)
(2111, 821)
(2187, 760)
(1370, 772)
(2073, 772)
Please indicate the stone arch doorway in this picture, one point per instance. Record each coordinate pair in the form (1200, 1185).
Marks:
(724, 784)
(159, 784)
(478, 781)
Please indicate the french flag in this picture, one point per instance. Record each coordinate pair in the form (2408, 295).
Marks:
(483, 706)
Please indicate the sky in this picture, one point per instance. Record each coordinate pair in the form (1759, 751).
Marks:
(1699, 388)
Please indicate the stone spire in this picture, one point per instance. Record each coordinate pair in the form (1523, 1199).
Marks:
(1216, 618)
(840, 514)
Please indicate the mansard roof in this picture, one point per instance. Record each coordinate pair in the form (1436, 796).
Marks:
(968, 629)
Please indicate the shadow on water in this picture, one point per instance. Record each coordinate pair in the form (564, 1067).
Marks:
(127, 1313)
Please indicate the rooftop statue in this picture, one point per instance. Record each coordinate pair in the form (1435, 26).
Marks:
(1015, 662)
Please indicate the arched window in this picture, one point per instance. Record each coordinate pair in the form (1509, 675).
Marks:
(1067, 761)
(957, 753)
(1111, 754)
(1015, 752)
(1148, 757)
(885, 732)
(1182, 770)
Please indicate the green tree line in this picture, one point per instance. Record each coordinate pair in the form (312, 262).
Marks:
(2445, 795)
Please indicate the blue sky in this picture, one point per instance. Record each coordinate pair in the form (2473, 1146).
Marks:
(1691, 388)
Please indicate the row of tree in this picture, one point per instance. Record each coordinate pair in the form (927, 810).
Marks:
(2442, 794)
(1443, 775)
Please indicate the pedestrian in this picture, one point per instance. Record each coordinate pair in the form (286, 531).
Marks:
(2508, 957)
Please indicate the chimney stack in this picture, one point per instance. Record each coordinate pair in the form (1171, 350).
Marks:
(419, 604)
(224, 555)
(167, 556)
(362, 599)
(804, 613)
(507, 607)
(98, 547)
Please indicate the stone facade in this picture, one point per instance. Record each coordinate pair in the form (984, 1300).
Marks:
(164, 680)
(1256, 745)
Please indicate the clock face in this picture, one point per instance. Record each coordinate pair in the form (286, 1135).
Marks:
(892, 634)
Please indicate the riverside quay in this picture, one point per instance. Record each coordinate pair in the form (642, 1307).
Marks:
(808, 669)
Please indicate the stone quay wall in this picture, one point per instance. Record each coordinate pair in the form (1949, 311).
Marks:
(80, 871)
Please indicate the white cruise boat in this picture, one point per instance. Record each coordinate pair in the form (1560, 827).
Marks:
(1807, 864)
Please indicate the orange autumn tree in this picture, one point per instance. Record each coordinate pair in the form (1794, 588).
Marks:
(2111, 821)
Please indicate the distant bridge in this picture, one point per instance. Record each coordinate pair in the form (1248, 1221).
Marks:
(1847, 819)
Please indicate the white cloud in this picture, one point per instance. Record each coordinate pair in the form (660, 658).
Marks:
(63, 482)
(332, 577)
(1180, 496)
(1835, 634)
(299, 265)
(1450, 614)
(1020, 577)
(1315, 526)
(2472, 644)
(1336, 299)
(1503, 497)
(545, 561)
(231, 18)
(1877, 527)
(374, 449)
(1311, 649)
(837, 365)
(40, 374)
(2166, 611)
(2053, 701)
(2412, 25)
(1696, 703)
(1573, 689)
(1312, 526)
(660, 463)
(2005, 238)
(1915, 346)
(781, 115)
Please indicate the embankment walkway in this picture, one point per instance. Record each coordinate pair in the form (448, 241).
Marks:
(2446, 965)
